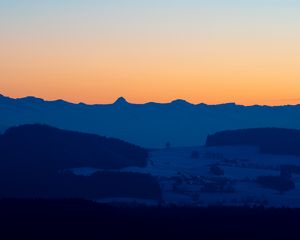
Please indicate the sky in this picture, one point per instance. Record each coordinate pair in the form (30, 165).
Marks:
(94, 51)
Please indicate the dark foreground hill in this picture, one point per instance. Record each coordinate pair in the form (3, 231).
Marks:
(269, 140)
(97, 186)
(78, 219)
(35, 162)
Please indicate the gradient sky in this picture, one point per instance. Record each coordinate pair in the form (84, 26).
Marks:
(213, 51)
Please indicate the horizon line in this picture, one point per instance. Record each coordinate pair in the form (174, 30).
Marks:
(122, 99)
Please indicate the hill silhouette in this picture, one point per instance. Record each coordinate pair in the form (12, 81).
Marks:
(269, 140)
(79, 219)
(149, 125)
(35, 162)
(48, 147)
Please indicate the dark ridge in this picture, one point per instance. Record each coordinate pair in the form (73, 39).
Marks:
(60, 101)
(79, 219)
(231, 104)
(269, 140)
(181, 102)
(31, 99)
(35, 163)
(40, 145)
(122, 100)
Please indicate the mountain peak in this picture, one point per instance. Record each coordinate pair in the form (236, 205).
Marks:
(31, 99)
(180, 102)
(121, 100)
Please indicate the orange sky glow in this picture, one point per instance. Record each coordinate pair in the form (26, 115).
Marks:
(203, 53)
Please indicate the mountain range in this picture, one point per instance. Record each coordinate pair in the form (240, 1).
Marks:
(150, 125)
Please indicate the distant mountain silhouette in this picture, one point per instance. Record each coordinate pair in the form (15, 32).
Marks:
(148, 125)
(35, 162)
(269, 140)
(121, 101)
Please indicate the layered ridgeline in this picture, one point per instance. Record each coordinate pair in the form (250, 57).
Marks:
(36, 162)
(150, 124)
(269, 140)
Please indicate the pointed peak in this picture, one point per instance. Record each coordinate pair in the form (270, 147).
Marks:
(121, 100)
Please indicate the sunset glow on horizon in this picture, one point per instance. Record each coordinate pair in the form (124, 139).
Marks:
(211, 51)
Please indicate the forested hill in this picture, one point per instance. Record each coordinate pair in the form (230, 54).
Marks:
(31, 146)
(35, 162)
(269, 140)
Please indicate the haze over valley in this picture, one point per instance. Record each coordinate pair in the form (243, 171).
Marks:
(150, 125)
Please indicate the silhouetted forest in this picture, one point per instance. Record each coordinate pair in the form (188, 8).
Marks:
(30, 146)
(35, 160)
(269, 140)
(79, 219)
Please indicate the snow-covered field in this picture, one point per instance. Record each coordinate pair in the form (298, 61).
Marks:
(189, 180)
